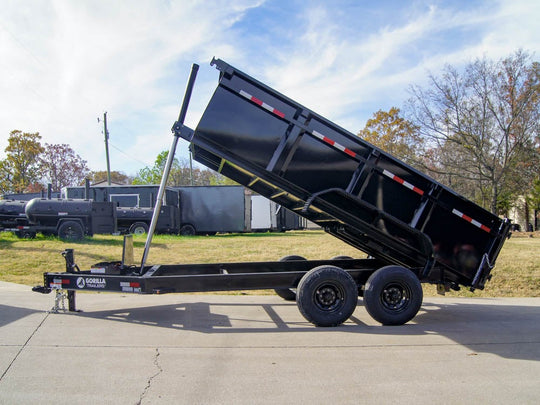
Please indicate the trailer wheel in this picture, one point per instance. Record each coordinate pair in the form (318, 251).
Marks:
(187, 230)
(342, 258)
(138, 228)
(25, 234)
(288, 294)
(70, 230)
(327, 296)
(393, 295)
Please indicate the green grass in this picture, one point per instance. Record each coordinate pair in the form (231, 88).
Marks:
(24, 261)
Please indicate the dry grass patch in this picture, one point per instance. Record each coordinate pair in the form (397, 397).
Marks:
(24, 261)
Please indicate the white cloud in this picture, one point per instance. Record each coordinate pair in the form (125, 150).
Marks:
(67, 62)
(63, 62)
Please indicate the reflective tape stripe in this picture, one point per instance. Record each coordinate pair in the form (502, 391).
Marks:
(334, 144)
(469, 219)
(262, 104)
(403, 182)
(130, 284)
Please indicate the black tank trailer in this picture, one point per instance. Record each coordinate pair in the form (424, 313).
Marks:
(12, 213)
(68, 218)
(134, 206)
(413, 229)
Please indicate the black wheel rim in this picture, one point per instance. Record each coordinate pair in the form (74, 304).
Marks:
(395, 297)
(71, 233)
(329, 297)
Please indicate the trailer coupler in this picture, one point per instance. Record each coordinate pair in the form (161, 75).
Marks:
(41, 289)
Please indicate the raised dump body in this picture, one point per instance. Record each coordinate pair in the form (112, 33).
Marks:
(413, 228)
(355, 191)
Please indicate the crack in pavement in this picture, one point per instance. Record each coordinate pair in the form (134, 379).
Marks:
(23, 346)
(149, 382)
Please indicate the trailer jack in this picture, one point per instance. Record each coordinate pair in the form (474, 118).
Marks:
(60, 301)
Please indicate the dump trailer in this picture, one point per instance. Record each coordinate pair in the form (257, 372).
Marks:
(412, 228)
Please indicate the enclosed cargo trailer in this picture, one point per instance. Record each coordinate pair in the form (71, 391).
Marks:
(412, 228)
(211, 209)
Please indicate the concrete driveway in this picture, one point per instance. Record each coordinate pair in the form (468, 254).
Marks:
(206, 349)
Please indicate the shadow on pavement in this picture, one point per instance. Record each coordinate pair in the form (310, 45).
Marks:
(510, 331)
(9, 314)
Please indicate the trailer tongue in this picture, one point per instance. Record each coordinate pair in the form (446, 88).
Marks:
(413, 228)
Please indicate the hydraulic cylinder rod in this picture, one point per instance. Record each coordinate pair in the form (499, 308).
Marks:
(170, 158)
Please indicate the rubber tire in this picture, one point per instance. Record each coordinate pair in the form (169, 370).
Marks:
(397, 280)
(138, 228)
(70, 230)
(25, 235)
(316, 285)
(188, 230)
(288, 294)
(342, 258)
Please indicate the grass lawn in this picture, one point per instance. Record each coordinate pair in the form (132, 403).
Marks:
(517, 273)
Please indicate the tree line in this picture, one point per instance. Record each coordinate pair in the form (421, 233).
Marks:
(29, 164)
(181, 174)
(475, 130)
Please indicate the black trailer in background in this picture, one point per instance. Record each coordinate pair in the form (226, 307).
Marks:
(189, 210)
(214, 209)
(412, 228)
(67, 218)
(134, 206)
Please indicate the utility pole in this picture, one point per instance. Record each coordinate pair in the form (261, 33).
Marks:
(106, 134)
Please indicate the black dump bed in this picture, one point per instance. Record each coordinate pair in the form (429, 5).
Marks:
(356, 192)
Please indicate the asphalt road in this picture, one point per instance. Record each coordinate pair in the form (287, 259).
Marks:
(206, 349)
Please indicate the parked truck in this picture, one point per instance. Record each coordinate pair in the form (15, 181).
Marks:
(413, 229)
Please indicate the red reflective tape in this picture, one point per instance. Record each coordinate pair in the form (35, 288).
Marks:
(279, 113)
(470, 220)
(328, 141)
(398, 179)
(256, 100)
(134, 285)
(65, 281)
(466, 218)
(333, 143)
(418, 191)
(262, 104)
(403, 182)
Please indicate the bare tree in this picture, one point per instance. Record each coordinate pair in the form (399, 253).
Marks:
(481, 126)
(61, 166)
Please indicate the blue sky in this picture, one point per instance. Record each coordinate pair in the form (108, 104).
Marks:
(63, 63)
